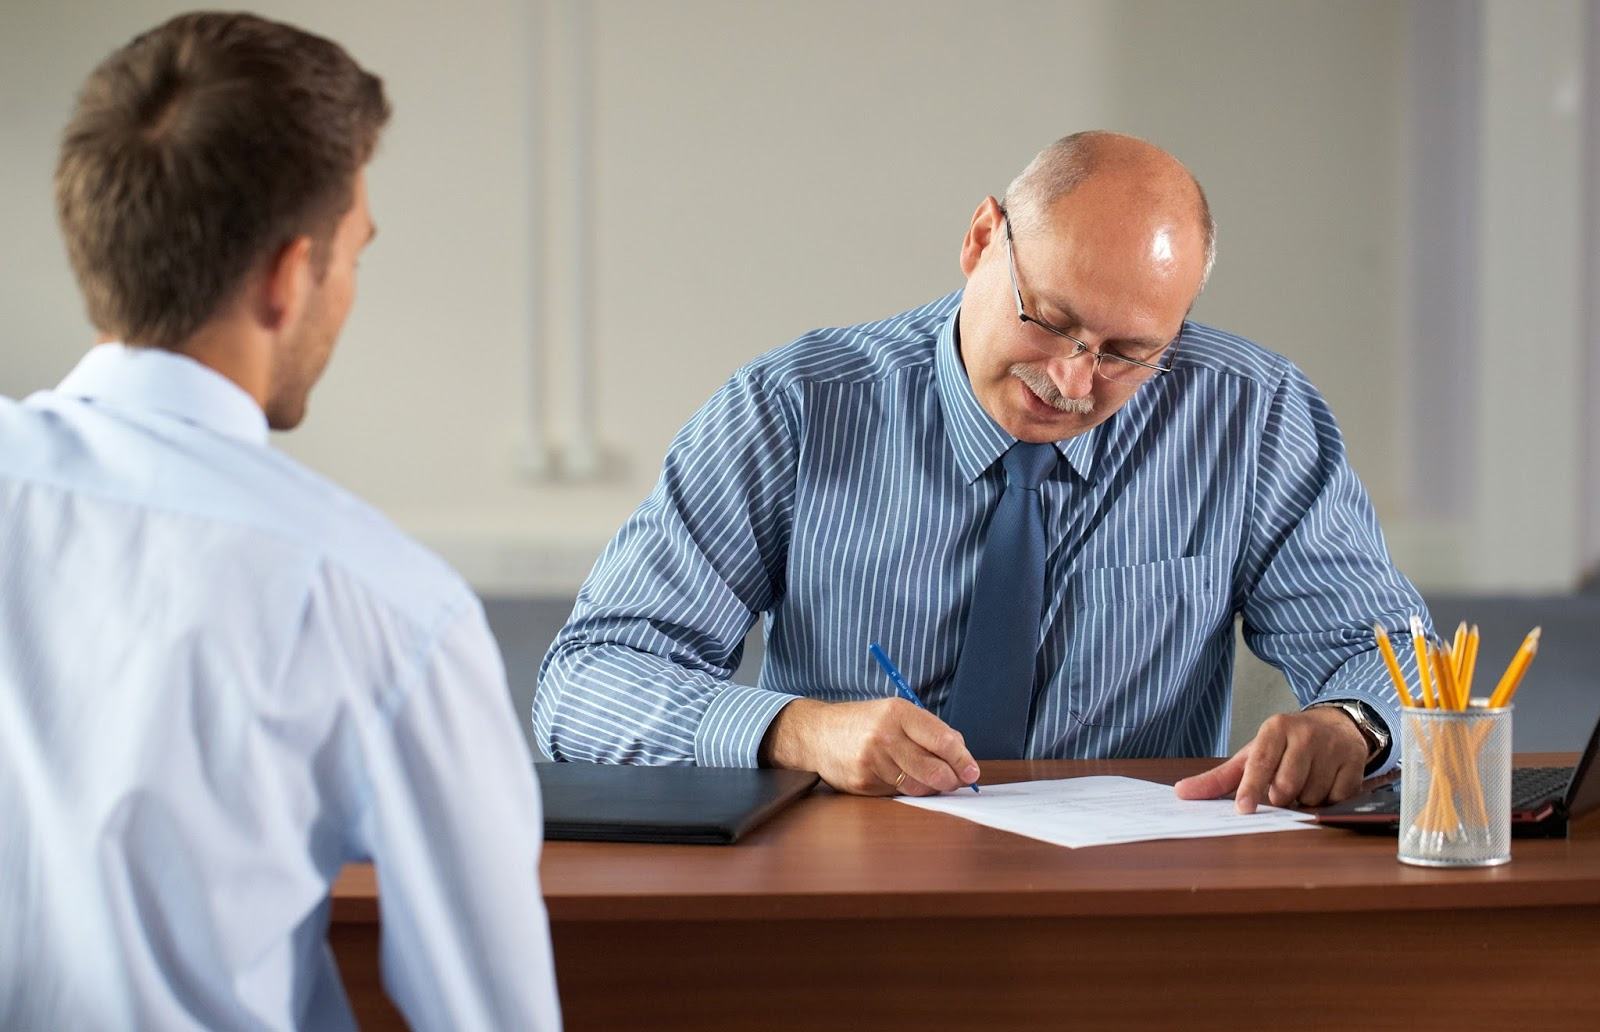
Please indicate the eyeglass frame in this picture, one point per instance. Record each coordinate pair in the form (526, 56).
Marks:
(1079, 347)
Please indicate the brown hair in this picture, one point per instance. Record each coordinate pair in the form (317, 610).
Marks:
(195, 151)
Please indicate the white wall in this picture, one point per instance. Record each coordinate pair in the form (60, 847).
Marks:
(757, 169)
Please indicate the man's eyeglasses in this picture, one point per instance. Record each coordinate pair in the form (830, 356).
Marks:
(1108, 363)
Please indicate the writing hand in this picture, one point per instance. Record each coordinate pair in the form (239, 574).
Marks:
(864, 747)
(1313, 757)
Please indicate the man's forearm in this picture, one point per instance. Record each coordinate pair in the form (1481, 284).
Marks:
(608, 703)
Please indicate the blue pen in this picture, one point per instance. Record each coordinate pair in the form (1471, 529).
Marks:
(900, 687)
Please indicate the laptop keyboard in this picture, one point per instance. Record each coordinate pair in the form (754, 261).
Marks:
(1530, 787)
(1533, 785)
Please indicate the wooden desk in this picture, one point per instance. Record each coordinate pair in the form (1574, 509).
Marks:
(863, 913)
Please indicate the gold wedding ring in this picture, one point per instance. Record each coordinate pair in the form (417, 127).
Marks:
(900, 780)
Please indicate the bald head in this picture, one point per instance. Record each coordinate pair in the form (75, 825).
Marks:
(1132, 180)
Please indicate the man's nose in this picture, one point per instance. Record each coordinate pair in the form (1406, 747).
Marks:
(1073, 377)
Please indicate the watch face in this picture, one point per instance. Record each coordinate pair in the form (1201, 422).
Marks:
(1370, 725)
(1376, 736)
(1372, 732)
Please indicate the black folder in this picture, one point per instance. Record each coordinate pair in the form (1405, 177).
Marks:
(602, 802)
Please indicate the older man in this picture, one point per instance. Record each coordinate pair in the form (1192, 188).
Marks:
(1046, 495)
(221, 677)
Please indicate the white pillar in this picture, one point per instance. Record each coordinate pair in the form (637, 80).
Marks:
(1529, 416)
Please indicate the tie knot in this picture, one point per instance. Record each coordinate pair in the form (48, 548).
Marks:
(1028, 464)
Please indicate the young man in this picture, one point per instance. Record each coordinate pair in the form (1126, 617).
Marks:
(221, 677)
(1046, 495)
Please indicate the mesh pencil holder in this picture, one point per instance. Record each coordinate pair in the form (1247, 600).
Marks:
(1455, 790)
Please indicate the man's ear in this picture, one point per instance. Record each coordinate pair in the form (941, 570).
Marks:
(284, 285)
(984, 231)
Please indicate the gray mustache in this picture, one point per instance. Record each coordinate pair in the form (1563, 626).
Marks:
(1046, 391)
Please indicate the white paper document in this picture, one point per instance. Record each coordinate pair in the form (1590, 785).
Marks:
(1095, 811)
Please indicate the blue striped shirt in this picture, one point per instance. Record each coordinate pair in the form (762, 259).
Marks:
(840, 487)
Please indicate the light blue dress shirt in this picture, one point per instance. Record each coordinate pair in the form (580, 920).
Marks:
(840, 486)
(222, 678)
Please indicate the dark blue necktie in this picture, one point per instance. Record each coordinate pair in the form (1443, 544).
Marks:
(993, 684)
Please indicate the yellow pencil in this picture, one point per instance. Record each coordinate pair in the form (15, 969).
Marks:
(1514, 671)
(1419, 644)
(1458, 648)
(1470, 663)
(1456, 683)
(1393, 664)
(1447, 675)
(1440, 658)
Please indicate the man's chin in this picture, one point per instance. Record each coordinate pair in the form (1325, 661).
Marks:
(1035, 434)
(1038, 423)
(286, 415)
(1034, 428)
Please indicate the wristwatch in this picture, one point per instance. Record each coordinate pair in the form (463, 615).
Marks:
(1370, 725)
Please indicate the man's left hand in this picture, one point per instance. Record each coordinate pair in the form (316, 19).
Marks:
(1312, 757)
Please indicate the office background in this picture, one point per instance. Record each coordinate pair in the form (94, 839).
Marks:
(591, 213)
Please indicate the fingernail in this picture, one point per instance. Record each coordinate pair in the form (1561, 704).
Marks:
(970, 773)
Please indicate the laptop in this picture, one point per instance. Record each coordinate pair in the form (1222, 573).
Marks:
(1543, 799)
(604, 802)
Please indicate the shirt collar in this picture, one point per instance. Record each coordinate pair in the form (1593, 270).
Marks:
(155, 380)
(975, 437)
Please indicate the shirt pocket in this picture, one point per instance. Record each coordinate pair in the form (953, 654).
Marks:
(1135, 634)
